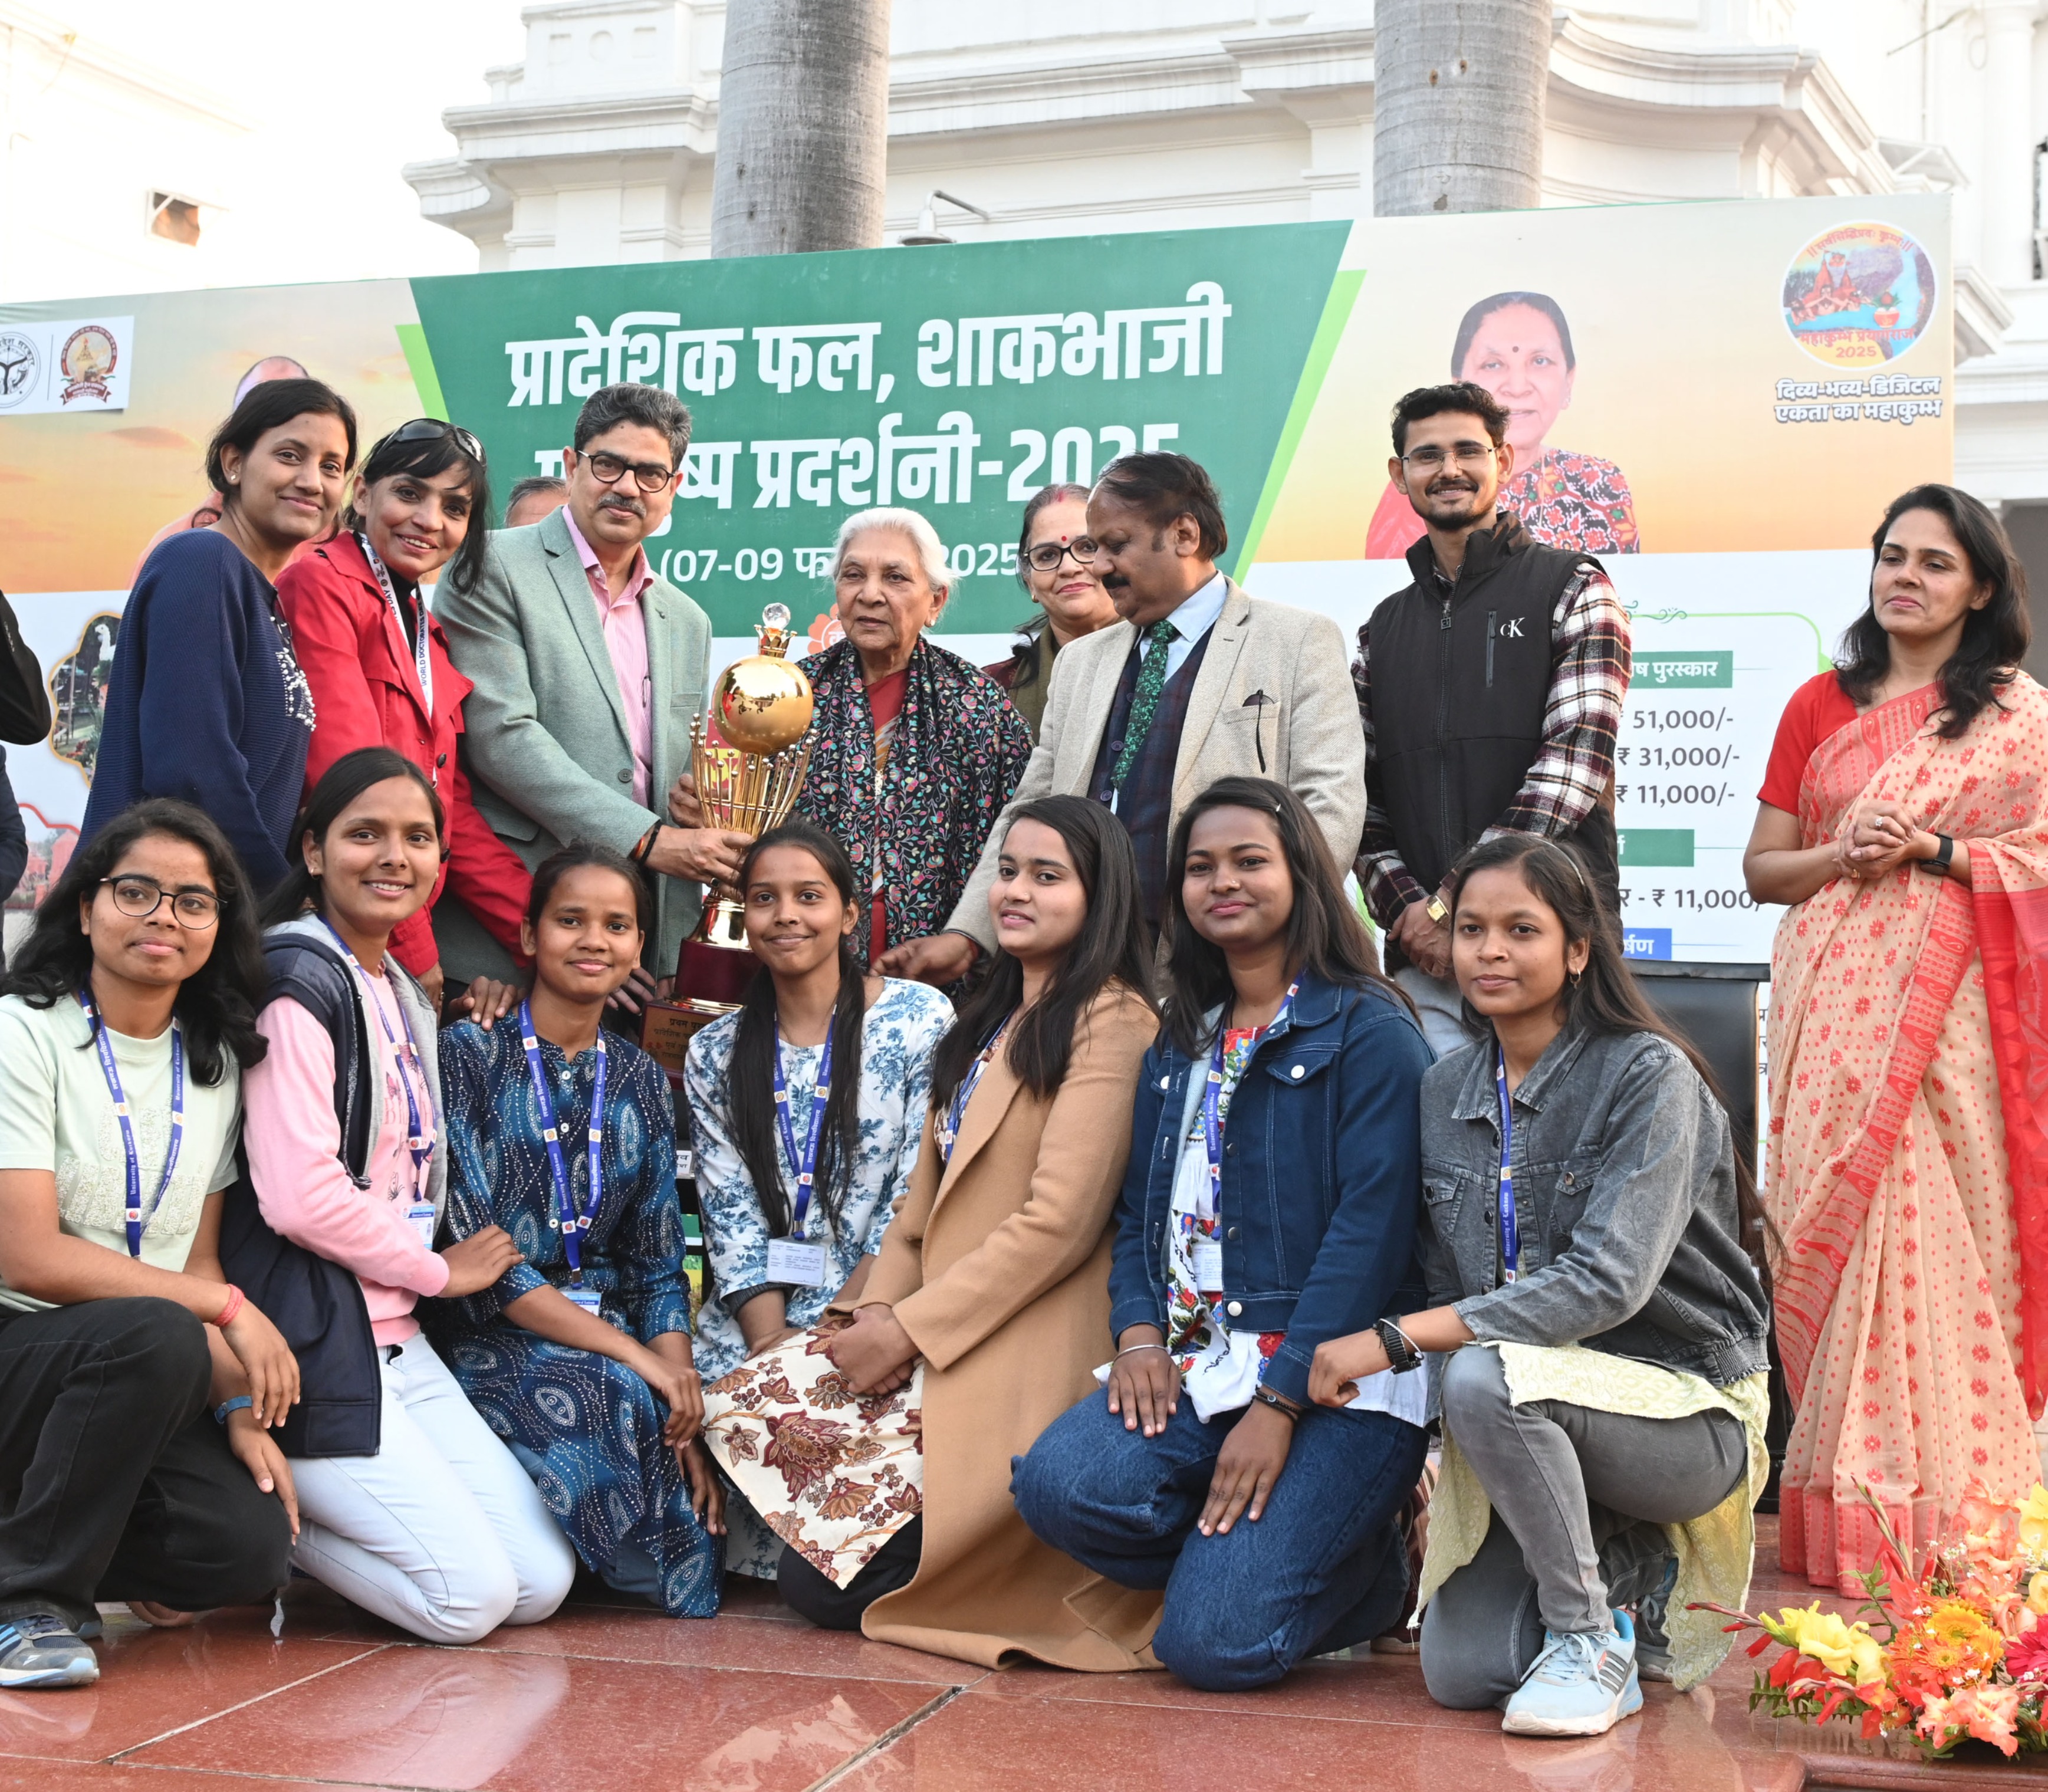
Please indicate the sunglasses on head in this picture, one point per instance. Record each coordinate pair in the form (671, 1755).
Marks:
(434, 428)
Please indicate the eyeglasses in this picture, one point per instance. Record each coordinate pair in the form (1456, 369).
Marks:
(608, 469)
(432, 428)
(1465, 454)
(141, 898)
(1048, 555)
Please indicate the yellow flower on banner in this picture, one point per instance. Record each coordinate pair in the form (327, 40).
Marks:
(1848, 1649)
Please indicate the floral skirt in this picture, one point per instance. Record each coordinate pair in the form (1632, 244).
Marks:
(589, 1431)
(832, 1473)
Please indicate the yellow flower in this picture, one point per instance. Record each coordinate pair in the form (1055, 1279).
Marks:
(1846, 1649)
(2033, 1522)
(1959, 1639)
(2037, 1595)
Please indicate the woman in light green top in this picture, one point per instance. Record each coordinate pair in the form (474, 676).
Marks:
(125, 1021)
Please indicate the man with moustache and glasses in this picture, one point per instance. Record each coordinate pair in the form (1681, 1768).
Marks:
(589, 672)
(1199, 680)
(1491, 690)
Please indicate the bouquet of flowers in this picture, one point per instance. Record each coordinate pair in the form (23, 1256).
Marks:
(1957, 1648)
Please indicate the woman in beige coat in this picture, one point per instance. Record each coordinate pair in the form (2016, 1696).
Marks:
(995, 1270)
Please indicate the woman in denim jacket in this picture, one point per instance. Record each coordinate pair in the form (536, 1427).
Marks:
(1604, 1401)
(1271, 1204)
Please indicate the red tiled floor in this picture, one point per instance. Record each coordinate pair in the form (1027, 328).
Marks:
(33, 1776)
(153, 1681)
(461, 1719)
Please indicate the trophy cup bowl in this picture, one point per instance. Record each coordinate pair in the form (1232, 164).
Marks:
(761, 707)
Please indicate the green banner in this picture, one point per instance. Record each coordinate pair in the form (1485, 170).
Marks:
(1683, 671)
(956, 383)
(1656, 846)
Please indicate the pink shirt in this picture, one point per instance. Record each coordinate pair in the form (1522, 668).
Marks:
(294, 1142)
(625, 639)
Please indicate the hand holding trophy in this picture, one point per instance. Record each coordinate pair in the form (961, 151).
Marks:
(761, 706)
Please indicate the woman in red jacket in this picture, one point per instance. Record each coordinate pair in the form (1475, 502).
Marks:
(356, 614)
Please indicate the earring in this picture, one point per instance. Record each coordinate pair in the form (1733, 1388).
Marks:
(1571, 977)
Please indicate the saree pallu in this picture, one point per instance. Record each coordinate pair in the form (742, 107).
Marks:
(1908, 1169)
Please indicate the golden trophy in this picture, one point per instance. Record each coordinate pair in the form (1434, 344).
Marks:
(762, 708)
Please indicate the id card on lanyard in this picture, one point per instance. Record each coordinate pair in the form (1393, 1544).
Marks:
(947, 1133)
(419, 1137)
(423, 652)
(794, 1260)
(573, 1225)
(1208, 1252)
(1510, 1233)
(132, 1200)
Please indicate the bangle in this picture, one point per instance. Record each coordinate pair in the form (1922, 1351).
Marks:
(1266, 1397)
(236, 1405)
(1128, 1348)
(1402, 1354)
(226, 1317)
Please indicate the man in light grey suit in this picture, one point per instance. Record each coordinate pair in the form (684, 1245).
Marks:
(589, 671)
(1198, 682)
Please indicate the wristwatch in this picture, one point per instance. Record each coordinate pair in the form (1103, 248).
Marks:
(1944, 856)
(1436, 908)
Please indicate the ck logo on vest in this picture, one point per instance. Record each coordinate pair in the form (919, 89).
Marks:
(1511, 629)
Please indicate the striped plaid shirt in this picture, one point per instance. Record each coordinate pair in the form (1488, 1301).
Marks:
(1589, 669)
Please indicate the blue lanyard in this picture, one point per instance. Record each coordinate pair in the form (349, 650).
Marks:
(574, 1225)
(112, 1073)
(956, 1113)
(1510, 1233)
(805, 1163)
(407, 1057)
(1213, 1093)
(423, 657)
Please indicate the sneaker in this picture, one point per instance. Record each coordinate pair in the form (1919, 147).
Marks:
(1653, 1645)
(40, 1649)
(1582, 1685)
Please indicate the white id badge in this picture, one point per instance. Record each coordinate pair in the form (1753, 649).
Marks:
(1208, 1265)
(584, 1296)
(686, 1166)
(795, 1263)
(421, 1217)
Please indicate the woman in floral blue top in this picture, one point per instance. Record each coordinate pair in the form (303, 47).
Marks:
(852, 1055)
(579, 1355)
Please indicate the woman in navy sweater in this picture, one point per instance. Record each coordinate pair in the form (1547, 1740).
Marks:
(207, 702)
(1270, 1203)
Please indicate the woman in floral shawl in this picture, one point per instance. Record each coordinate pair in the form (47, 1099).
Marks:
(1905, 818)
(914, 751)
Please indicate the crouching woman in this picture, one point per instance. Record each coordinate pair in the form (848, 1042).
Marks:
(1604, 1401)
(1271, 1204)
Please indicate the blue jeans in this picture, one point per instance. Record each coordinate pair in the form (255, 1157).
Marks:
(1323, 1568)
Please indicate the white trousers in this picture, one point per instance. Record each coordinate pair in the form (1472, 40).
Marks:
(441, 1532)
(1440, 1008)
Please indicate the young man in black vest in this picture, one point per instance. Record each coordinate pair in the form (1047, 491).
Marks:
(1491, 690)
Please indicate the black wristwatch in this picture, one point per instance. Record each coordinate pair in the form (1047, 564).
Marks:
(1401, 1356)
(1944, 856)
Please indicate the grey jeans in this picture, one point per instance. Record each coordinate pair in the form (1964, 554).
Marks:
(1579, 1500)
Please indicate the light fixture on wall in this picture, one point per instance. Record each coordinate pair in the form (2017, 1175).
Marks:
(928, 228)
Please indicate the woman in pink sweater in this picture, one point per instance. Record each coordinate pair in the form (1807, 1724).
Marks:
(409, 1505)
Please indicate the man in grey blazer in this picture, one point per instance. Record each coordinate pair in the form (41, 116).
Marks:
(589, 671)
(1198, 682)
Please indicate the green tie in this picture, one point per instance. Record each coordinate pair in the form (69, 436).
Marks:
(1145, 699)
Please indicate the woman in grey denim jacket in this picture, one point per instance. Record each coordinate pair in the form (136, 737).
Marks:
(1616, 1221)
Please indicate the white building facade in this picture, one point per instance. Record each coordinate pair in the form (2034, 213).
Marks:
(1072, 116)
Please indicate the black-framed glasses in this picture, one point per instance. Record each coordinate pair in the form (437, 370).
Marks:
(1047, 555)
(1465, 454)
(141, 898)
(608, 469)
(433, 428)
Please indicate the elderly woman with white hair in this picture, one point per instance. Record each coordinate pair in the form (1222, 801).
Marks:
(914, 751)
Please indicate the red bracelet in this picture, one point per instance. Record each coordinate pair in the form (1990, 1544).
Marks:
(235, 1300)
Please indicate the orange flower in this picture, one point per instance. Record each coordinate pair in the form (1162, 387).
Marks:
(1989, 1713)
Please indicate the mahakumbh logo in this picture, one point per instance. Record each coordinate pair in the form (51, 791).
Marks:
(1859, 295)
(19, 366)
(89, 357)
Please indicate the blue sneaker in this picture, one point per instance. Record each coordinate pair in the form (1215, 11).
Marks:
(38, 1649)
(1582, 1685)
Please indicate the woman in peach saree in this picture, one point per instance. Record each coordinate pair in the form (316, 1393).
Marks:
(1905, 818)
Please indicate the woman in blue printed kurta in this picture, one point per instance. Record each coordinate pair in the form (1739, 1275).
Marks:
(809, 1004)
(579, 1356)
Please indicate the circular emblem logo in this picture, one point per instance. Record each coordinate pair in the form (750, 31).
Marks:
(1859, 295)
(89, 356)
(20, 367)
